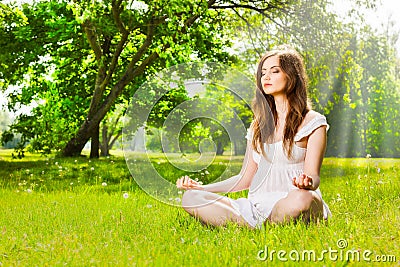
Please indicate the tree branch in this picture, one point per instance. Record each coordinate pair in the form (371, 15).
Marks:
(93, 39)
(143, 48)
(121, 44)
(118, 88)
(116, 10)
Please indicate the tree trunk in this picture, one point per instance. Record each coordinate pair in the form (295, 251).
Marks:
(77, 143)
(104, 148)
(111, 144)
(220, 148)
(95, 144)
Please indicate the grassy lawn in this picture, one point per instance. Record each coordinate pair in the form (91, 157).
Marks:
(81, 212)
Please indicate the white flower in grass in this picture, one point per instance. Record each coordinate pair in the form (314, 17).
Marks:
(206, 172)
(71, 183)
(125, 195)
(368, 156)
(378, 170)
(76, 161)
(104, 184)
(178, 199)
(92, 169)
(149, 206)
(29, 190)
(180, 192)
(56, 163)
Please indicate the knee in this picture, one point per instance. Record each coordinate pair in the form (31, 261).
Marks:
(191, 199)
(302, 200)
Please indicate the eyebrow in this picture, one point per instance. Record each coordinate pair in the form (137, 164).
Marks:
(271, 67)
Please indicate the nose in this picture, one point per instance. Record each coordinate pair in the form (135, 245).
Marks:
(266, 76)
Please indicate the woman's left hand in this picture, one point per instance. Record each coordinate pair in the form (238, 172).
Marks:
(304, 181)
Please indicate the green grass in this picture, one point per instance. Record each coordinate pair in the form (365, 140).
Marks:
(56, 212)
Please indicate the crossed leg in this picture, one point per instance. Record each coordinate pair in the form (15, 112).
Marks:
(299, 204)
(211, 208)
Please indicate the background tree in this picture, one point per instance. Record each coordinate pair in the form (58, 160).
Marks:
(352, 71)
(76, 61)
(118, 42)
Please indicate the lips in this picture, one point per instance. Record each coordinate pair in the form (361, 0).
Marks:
(267, 84)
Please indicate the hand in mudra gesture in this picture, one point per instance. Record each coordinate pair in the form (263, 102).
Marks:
(186, 183)
(304, 181)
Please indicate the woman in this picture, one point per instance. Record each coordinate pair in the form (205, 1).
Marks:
(285, 148)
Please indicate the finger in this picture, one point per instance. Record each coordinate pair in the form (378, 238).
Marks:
(310, 181)
(306, 181)
(193, 183)
(183, 181)
(188, 182)
(301, 181)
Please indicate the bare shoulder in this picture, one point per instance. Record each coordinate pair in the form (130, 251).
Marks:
(312, 114)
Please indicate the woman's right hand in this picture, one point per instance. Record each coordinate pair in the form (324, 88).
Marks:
(186, 183)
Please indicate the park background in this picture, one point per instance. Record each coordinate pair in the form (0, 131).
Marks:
(68, 71)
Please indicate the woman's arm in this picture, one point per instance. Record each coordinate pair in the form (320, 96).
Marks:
(316, 146)
(236, 183)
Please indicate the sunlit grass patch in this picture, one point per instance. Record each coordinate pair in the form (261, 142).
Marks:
(81, 212)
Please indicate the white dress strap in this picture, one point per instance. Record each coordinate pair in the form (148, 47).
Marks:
(311, 126)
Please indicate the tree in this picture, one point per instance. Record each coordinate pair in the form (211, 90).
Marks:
(111, 130)
(119, 43)
(353, 72)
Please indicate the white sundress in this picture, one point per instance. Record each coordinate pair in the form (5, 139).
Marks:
(273, 179)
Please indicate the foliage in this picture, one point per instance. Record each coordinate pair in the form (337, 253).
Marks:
(47, 75)
(86, 57)
(352, 72)
(97, 49)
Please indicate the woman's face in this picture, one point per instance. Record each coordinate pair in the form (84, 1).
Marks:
(273, 79)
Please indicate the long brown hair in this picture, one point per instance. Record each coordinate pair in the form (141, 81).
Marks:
(265, 114)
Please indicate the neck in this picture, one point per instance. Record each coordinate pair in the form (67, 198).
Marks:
(282, 105)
